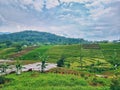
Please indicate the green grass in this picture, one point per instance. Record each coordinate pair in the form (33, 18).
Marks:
(5, 53)
(38, 81)
(49, 81)
(110, 46)
(68, 51)
(110, 49)
(36, 53)
(71, 54)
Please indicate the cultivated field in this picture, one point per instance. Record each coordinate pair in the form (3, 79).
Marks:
(85, 67)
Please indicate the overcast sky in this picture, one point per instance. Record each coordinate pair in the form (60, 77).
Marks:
(88, 19)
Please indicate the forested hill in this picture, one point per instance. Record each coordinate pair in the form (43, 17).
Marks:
(33, 37)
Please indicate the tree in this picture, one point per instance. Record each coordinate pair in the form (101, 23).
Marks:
(60, 62)
(43, 62)
(18, 67)
(4, 67)
(8, 43)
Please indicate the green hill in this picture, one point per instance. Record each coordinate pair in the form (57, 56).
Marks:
(35, 37)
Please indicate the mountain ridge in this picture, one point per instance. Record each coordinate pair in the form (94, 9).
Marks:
(33, 37)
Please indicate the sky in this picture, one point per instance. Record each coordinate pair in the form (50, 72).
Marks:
(88, 19)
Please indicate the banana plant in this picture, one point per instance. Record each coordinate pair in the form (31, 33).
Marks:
(4, 67)
(18, 67)
(43, 63)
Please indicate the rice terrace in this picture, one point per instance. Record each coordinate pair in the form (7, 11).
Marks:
(59, 45)
(86, 66)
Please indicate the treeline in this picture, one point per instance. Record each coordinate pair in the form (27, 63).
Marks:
(35, 37)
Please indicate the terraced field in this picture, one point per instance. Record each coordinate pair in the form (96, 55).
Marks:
(97, 57)
(89, 69)
(6, 52)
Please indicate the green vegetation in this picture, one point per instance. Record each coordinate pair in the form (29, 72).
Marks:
(60, 63)
(105, 58)
(115, 85)
(37, 81)
(83, 68)
(35, 37)
(36, 53)
(6, 52)
(93, 60)
(43, 63)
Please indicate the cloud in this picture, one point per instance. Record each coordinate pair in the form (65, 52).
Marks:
(89, 19)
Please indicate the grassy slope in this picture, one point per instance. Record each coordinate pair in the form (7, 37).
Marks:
(6, 52)
(35, 54)
(109, 49)
(63, 82)
(37, 81)
(72, 53)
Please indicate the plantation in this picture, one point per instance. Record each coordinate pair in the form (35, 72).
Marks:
(80, 67)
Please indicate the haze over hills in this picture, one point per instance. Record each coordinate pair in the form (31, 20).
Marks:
(1, 33)
(33, 37)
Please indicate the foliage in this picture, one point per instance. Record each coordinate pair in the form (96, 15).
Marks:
(3, 80)
(43, 63)
(37, 81)
(4, 66)
(115, 84)
(34, 37)
(60, 62)
(36, 53)
(100, 82)
(18, 67)
(114, 61)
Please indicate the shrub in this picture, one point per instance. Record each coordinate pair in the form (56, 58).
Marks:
(60, 62)
(100, 81)
(3, 80)
(115, 85)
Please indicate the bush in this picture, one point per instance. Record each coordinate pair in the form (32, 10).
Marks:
(3, 80)
(100, 81)
(115, 85)
(60, 63)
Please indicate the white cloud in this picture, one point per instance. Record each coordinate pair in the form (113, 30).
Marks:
(2, 19)
(52, 3)
(100, 12)
(89, 19)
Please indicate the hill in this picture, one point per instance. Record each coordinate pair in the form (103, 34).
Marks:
(34, 37)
